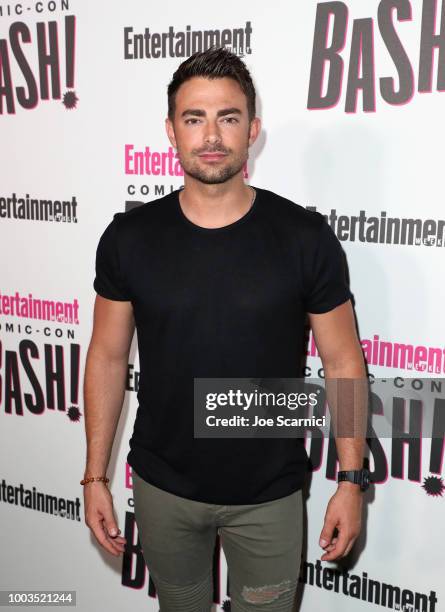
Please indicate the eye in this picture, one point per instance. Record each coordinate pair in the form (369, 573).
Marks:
(230, 119)
(192, 121)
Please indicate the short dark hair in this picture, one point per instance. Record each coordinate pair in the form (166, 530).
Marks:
(214, 63)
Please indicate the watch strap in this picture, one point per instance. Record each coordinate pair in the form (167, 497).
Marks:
(350, 476)
(359, 477)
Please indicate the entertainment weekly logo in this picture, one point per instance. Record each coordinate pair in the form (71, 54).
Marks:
(386, 230)
(183, 43)
(30, 54)
(36, 379)
(29, 307)
(39, 501)
(329, 76)
(28, 208)
(148, 162)
(402, 356)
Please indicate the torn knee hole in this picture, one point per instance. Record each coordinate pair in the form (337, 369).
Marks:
(265, 594)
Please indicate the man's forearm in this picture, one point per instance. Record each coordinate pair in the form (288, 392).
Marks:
(348, 404)
(350, 453)
(104, 390)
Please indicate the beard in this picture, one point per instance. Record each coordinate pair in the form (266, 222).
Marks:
(213, 175)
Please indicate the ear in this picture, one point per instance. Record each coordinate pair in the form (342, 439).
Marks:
(170, 132)
(254, 130)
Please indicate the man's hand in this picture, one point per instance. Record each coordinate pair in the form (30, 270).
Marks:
(99, 516)
(344, 512)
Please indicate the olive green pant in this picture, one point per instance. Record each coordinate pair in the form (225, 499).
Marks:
(261, 542)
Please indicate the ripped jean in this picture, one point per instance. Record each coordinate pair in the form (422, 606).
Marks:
(261, 542)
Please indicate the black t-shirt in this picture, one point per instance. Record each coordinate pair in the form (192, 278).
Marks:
(217, 302)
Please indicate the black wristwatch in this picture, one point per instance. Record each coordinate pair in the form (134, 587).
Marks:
(360, 477)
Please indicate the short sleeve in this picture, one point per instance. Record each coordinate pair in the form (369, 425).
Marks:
(326, 276)
(108, 281)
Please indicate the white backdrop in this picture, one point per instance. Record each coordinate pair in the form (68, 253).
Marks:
(72, 148)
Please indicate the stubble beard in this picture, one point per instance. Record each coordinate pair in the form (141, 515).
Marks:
(210, 175)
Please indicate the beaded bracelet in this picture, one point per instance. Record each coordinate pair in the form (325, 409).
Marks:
(93, 478)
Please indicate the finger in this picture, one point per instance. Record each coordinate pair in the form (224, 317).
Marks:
(109, 522)
(105, 540)
(119, 539)
(327, 532)
(118, 548)
(117, 544)
(101, 537)
(340, 547)
(331, 546)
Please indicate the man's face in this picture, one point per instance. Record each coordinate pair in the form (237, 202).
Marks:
(211, 129)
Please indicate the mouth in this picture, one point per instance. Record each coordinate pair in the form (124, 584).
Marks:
(215, 156)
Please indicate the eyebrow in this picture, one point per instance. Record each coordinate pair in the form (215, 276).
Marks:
(197, 112)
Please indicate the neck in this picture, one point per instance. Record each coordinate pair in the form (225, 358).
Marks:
(218, 204)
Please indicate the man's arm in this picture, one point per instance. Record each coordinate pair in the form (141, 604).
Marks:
(104, 390)
(342, 357)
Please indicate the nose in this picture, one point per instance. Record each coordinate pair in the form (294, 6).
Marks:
(212, 134)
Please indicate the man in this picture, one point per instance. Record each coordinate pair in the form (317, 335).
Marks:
(217, 278)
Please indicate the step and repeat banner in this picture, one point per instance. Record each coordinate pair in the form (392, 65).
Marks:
(352, 98)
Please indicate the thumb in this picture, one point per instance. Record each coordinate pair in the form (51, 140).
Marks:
(327, 532)
(110, 523)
